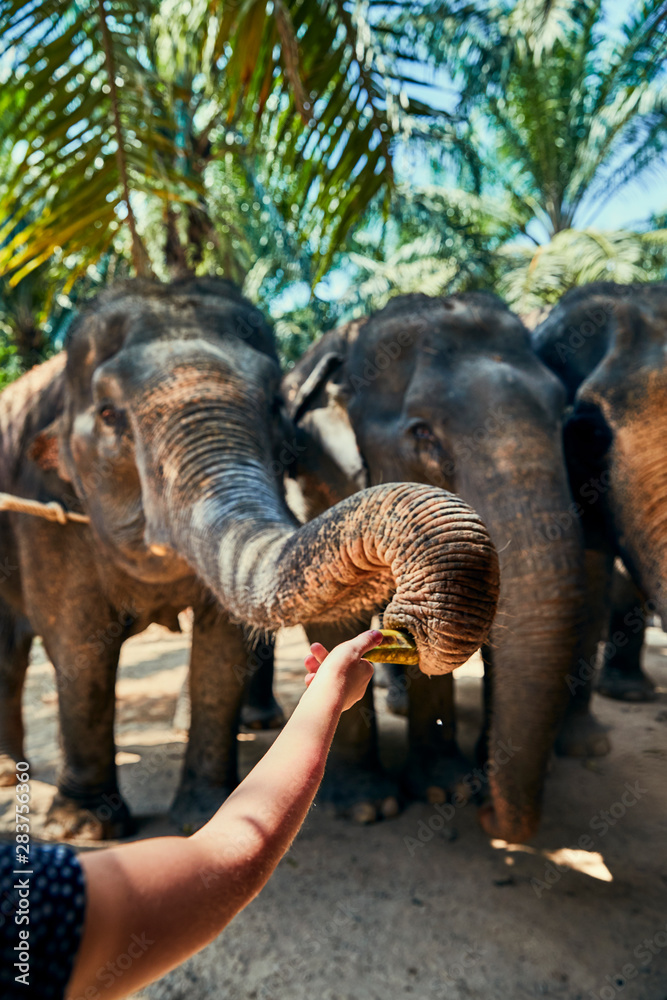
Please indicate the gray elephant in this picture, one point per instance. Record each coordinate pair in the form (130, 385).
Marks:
(608, 345)
(448, 391)
(163, 423)
(621, 675)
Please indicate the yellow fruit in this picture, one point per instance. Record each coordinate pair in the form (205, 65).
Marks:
(396, 647)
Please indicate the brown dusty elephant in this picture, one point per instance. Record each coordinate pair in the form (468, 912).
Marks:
(608, 345)
(448, 391)
(163, 423)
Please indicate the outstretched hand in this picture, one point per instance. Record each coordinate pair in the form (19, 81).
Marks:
(155, 887)
(344, 665)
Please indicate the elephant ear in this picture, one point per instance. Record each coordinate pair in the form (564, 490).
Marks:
(329, 466)
(44, 451)
(302, 397)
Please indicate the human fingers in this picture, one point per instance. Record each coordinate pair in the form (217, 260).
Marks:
(312, 664)
(314, 661)
(319, 651)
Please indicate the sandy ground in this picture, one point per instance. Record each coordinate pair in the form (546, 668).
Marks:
(376, 913)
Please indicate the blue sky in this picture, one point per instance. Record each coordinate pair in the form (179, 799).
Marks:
(631, 207)
(635, 203)
(646, 195)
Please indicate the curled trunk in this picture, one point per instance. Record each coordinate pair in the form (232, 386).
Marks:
(418, 547)
(351, 560)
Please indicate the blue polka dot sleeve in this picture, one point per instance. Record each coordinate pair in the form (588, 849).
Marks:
(42, 905)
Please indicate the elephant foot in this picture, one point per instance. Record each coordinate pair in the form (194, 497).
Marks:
(263, 716)
(435, 776)
(513, 829)
(625, 685)
(581, 735)
(8, 763)
(108, 819)
(196, 802)
(361, 793)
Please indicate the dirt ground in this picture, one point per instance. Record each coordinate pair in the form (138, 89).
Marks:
(413, 907)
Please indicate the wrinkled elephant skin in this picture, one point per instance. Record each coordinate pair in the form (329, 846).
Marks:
(163, 422)
(608, 344)
(449, 392)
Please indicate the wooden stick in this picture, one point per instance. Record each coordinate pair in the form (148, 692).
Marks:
(52, 511)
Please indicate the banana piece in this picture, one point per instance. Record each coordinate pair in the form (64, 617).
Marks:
(396, 647)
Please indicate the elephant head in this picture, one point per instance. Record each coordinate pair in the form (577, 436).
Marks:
(448, 391)
(608, 344)
(175, 441)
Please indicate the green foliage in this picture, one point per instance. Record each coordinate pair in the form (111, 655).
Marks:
(436, 241)
(562, 115)
(76, 118)
(183, 127)
(537, 276)
(105, 99)
(418, 266)
(9, 363)
(268, 142)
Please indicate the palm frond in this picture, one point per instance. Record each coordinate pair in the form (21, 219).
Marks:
(107, 100)
(564, 112)
(533, 277)
(542, 25)
(82, 132)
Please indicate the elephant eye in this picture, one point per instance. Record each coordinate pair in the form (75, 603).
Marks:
(111, 417)
(421, 431)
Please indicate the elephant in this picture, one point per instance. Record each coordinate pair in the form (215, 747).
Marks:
(621, 675)
(448, 391)
(162, 422)
(607, 343)
(259, 709)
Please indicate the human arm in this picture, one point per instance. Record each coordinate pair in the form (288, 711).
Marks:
(159, 901)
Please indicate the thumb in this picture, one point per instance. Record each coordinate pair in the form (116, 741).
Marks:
(365, 642)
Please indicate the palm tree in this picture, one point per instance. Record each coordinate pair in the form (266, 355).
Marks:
(534, 277)
(436, 241)
(562, 112)
(110, 105)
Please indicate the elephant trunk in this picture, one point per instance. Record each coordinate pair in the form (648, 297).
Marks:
(638, 489)
(209, 477)
(533, 643)
(418, 543)
(534, 646)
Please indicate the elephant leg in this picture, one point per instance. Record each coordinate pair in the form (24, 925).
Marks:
(88, 804)
(580, 734)
(260, 709)
(217, 675)
(15, 641)
(397, 689)
(83, 634)
(622, 676)
(355, 784)
(435, 764)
